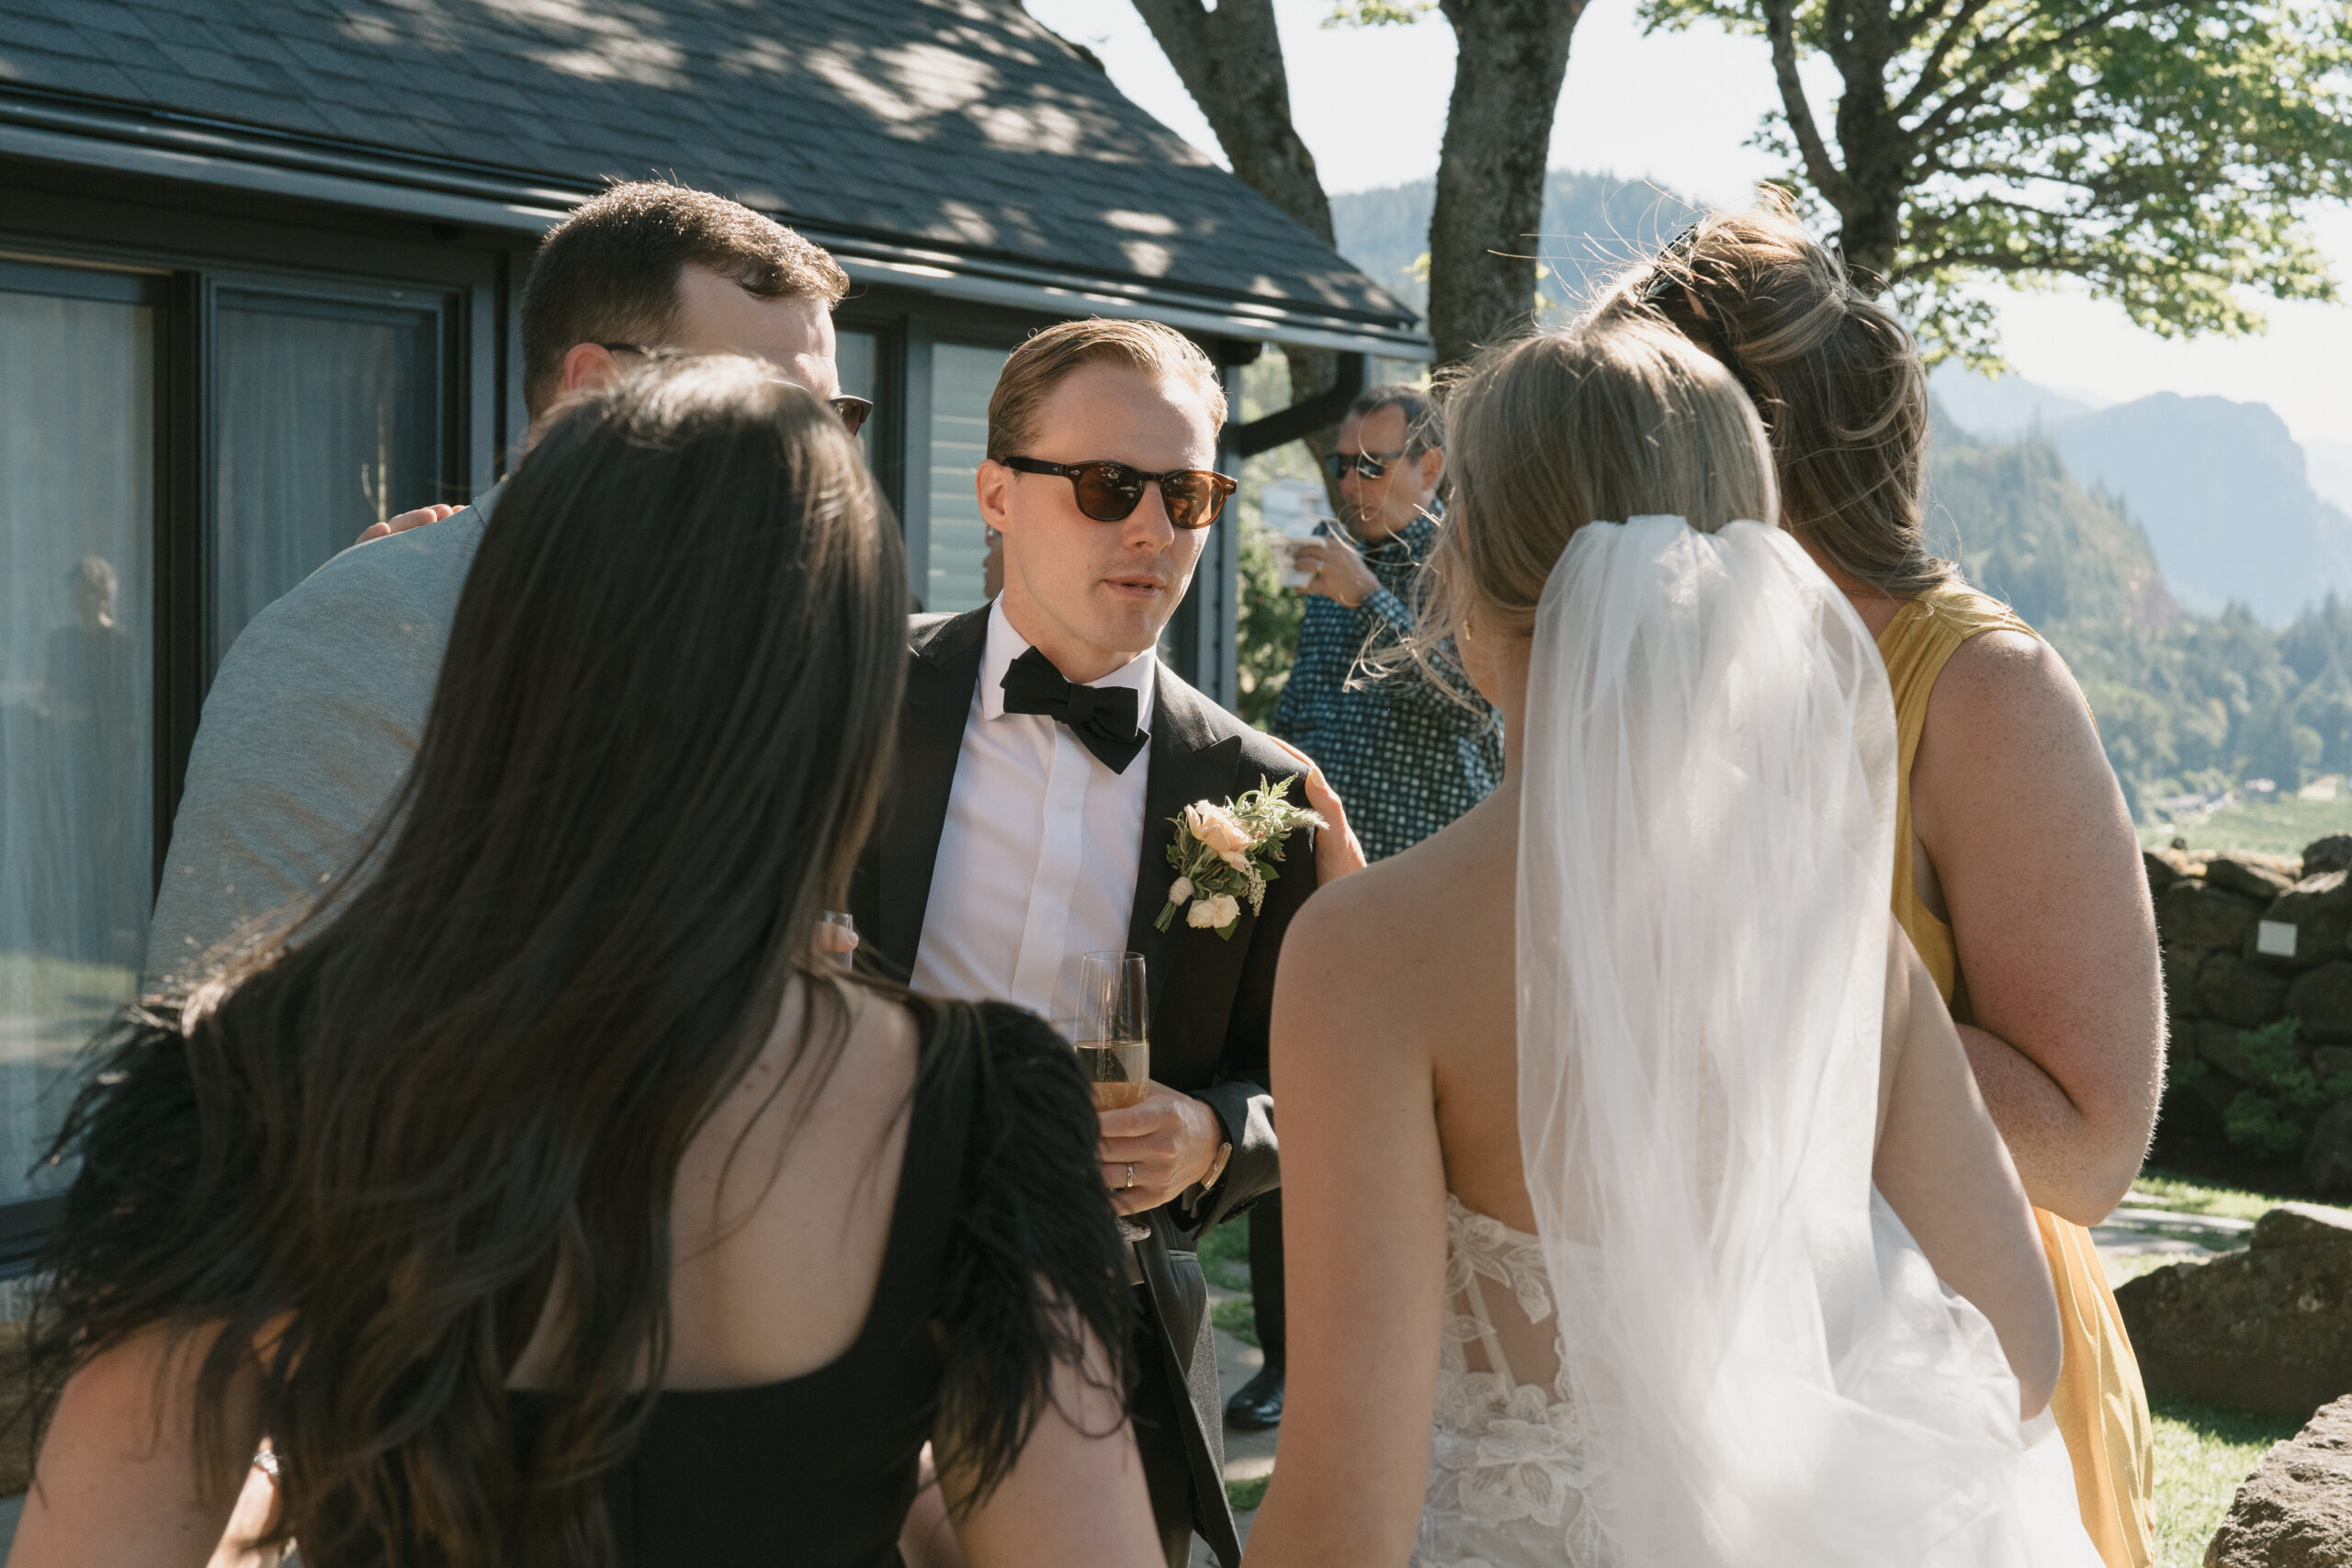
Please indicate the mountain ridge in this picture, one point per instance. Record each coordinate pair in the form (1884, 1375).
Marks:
(2221, 488)
(2233, 509)
(1594, 226)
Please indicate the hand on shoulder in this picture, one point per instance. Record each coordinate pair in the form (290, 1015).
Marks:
(438, 512)
(1337, 852)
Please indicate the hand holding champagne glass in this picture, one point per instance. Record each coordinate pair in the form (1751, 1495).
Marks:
(1113, 1045)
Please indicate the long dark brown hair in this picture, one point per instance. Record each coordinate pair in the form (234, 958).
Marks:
(655, 746)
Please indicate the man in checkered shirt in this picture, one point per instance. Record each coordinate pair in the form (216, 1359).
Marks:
(1407, 756)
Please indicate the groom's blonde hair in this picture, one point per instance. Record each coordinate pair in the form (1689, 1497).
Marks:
(1597, 422)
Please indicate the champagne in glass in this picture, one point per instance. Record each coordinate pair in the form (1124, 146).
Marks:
(1115, 1070)
(1113, 1047)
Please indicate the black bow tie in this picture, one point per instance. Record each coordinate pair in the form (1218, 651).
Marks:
(1102, 717)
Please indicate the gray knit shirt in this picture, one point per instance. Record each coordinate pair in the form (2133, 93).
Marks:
(309, 729)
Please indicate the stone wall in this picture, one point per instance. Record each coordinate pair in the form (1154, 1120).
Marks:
(2257, 958)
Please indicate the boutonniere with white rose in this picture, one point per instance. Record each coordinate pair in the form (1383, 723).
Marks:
(1225, 854)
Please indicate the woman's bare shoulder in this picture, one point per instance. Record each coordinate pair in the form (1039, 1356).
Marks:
(1375, 941)
(871, 1032)
(2005, 683)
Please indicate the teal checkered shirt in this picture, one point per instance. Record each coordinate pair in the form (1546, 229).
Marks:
(1406, 756)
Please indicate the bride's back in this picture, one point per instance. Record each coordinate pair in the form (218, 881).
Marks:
(1669, 1072)
(1542, 439)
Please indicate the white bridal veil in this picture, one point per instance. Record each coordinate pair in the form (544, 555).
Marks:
(1767, 1370)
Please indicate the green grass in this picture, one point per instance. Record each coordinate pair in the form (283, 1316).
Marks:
(1246, 1495)
(66, 1000)
(2157, 1188)
(1225, 1255)
(2281, 827)
(2122, 1269)
(1224, 1258)
(1236, 1317)
(2203, 1453)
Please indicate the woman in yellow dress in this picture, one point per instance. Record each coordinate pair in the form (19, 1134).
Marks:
(2017, 873)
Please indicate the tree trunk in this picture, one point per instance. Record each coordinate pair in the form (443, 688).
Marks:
(1230, 60)
(1510, 57)
(1875, 148)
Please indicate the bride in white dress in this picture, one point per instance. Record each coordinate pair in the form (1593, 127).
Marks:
(1641, 1208)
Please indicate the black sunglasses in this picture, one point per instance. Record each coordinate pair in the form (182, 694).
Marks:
(1371, 464)
(851, 411)
(1109, 492)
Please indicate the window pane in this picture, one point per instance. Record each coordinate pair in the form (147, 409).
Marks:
(961, 379)
(325, 415)
(76, 672)
(854, 357)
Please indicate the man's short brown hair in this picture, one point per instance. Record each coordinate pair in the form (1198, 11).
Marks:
(1423, 430)
(1042, 363)
(609, 272)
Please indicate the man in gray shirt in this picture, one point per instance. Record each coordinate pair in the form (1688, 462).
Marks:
(315, 715)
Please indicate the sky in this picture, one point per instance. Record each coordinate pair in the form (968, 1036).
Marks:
(1681, 108)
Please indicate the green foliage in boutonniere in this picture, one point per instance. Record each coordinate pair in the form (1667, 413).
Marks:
(1225, 854)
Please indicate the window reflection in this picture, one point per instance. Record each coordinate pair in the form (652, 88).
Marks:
(325, 413)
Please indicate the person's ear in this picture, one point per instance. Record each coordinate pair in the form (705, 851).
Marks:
(992, 487)
(587, 364)
(1432, 465)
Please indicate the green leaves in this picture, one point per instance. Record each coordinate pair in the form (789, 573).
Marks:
(1377, 13)
(2161, 153)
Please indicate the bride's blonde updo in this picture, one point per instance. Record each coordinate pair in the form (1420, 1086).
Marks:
(1597, 422)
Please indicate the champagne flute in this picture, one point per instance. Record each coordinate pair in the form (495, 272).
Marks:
(1113, 1045)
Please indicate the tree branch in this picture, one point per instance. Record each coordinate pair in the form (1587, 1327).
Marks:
(1230, 60)
(1932, 74)
(2006, 262)
(2001, 69)
(1779, 24)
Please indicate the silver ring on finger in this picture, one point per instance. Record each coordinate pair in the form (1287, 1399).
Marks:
(1131, 1176)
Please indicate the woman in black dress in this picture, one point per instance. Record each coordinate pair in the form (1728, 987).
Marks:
(554, 1199)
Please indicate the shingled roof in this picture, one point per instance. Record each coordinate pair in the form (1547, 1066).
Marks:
(958, 129)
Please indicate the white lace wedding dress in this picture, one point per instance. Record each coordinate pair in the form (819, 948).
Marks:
(1721, 1349)
(1506, 1457)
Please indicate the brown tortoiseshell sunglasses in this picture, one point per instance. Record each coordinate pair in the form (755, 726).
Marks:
(1109, 492)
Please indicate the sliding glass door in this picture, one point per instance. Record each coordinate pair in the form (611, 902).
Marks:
(140, 530)
(77, 662)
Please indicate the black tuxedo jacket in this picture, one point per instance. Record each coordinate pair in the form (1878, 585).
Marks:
(1210, 999)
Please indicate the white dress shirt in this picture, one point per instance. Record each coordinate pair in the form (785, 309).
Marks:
(1037, 857)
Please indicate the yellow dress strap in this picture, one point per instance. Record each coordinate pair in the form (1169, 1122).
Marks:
(2100, 1406)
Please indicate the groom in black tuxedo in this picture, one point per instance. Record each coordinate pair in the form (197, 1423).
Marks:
(1043, 754)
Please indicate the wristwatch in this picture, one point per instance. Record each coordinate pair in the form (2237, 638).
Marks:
(1216, 1165)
